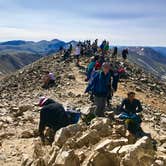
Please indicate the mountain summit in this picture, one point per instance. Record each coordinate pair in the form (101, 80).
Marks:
(78, 144)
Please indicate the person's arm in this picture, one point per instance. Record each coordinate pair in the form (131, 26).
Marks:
(42, 123)
(91, 84)
(121, 109)
(139, 107)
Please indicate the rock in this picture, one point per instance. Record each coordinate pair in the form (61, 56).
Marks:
(162, 148)
(119, 131)
(26, 161)
(26, 134)
(71, 77)
(6, 135)
(1, 105)
(163, 122)
(103, 125)
(67, 158)
(63, 134)
(25, 108)
(103, 158)
(111, 143)
(14, 109)
(37, 149)
(162, 138)
(88, 138)
(52, 158)
(158, 163)
(140, 153)
(39, 162)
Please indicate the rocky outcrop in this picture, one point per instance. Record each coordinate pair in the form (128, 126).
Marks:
(79, 145)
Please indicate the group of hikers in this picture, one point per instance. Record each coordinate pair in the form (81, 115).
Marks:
(102, 74)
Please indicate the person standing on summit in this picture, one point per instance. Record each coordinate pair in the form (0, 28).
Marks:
(77, 54)
(125, 52)
(99, 86)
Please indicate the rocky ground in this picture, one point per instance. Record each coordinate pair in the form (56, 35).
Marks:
(102, 143)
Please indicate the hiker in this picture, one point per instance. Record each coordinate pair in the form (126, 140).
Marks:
(124, 54)
(129, 109)
(49, 80)
(54, 116)
(115, 52)
(99, 87)
(106, 48)
(90, 68)
(95, 46)
(61, 49)
(70, 48)
(66, 54)
(116, 76)
(77, 54)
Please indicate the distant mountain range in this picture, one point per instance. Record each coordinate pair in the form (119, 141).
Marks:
(18, 53)
(152, 59)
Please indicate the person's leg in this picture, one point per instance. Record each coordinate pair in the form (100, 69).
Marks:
(100, 103)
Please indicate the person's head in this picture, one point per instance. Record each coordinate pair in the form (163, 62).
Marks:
(131, 96)
(106, 67)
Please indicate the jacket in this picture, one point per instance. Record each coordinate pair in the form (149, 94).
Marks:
(131, 108)
(99, 84)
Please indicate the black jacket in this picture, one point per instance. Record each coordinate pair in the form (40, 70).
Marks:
(52, 115)
(129, 107)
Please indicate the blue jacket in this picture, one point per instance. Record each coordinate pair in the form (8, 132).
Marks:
(90, 69)
(99, 84)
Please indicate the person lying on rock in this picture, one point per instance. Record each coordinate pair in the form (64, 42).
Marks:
(129, 109)
(54, 116)
(99, 86)
(49, 80)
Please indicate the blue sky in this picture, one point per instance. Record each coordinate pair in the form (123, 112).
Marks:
(122, 22)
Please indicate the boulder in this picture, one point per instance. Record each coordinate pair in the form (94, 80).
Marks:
(158, 163)
(90, 137)
(67, 158)
(103, 125)
(63, 134)
(111, 143)
(140, 153)
(24, 108)
(26, 134)
(37, 149)
(102, 158)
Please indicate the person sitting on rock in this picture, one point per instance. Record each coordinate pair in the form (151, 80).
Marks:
(54, 116)
(99, 87)
(49, 80)
(129, 109)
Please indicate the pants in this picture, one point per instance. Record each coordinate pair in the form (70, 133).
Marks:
(50, 84)
(100, 103)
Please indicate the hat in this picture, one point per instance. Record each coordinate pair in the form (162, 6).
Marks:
(42, 100)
